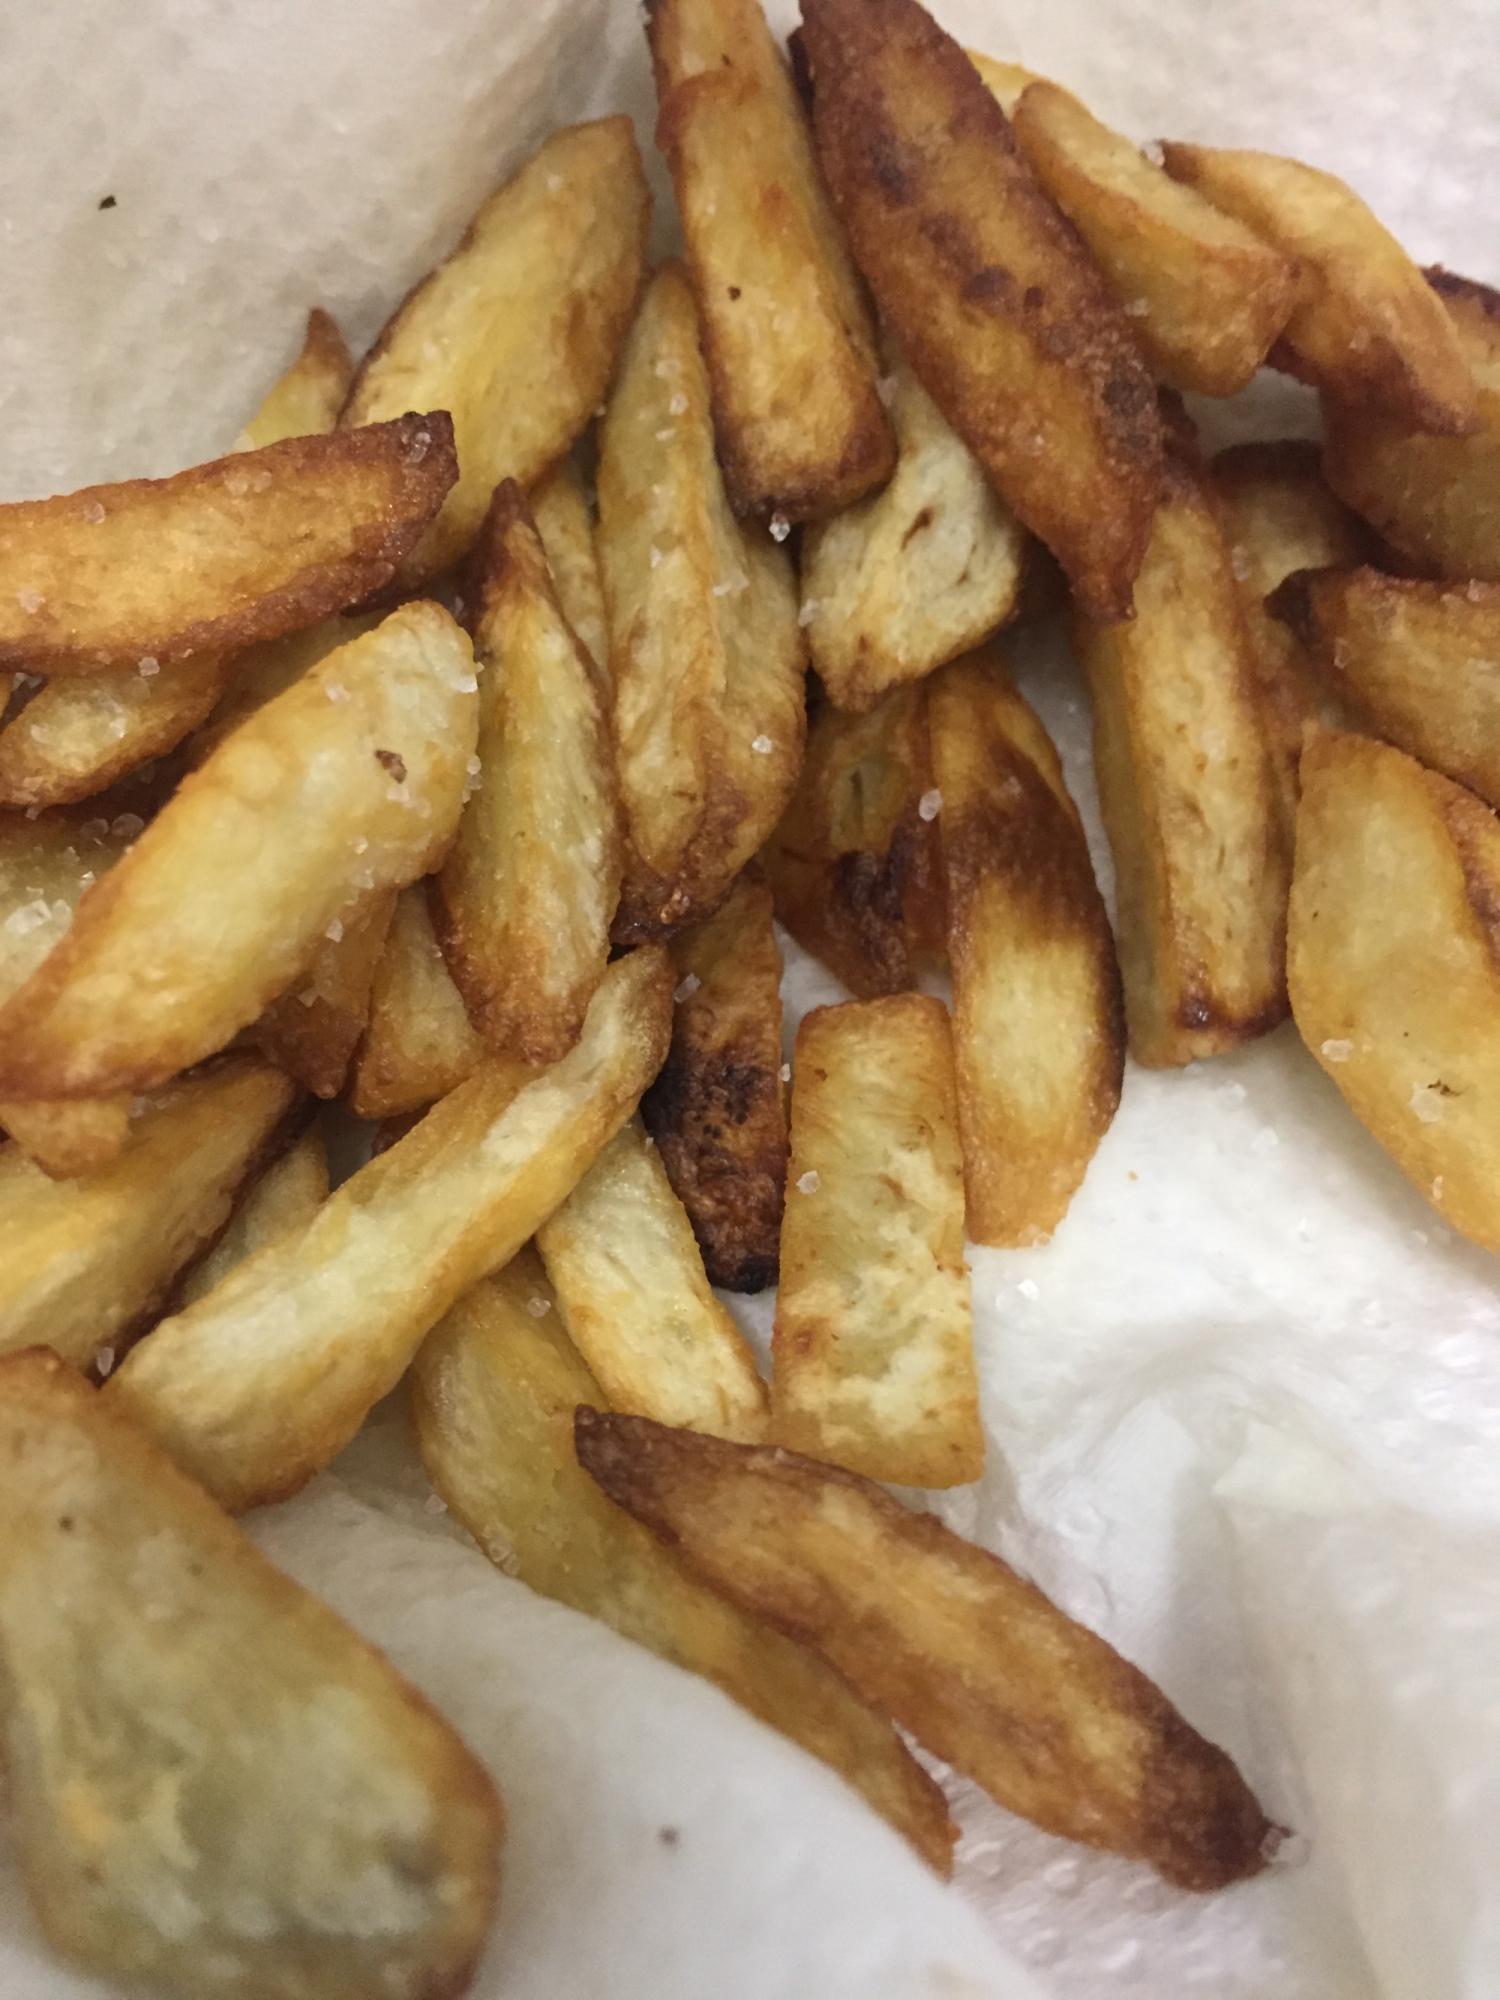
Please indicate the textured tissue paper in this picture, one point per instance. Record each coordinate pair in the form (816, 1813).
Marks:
(1244, 1410)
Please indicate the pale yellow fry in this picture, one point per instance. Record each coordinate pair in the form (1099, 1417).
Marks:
(565, 521)
(78, 735)
(286, 1197)
(419, 1043)
(306, 401)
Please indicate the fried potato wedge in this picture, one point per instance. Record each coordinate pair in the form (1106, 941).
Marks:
(84, 1264)
(873, 1356)
(565, 521)
(1188, 791)
(1038, 1021)
(896, 585)
(786, 328)
(348, 784)
(286, 1197)
(518, 332)
(226, 554)
(1205, 296)
(994, 300)
(494, 1388)
(1435, 499)
(706, 654)
(78, 735)
(524, 900)
(718, 1110)
(1365, 326)
(313, 1030)
(218, 1787)
(306, 400)
(1393, 957)
(419, 1043)
(945, 1638)
(257, 1386)
(634, 1297)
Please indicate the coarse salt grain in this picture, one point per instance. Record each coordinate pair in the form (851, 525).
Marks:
(930, 804)
(732, 585)
(335, 691)
(1152, 150)
(762, 745)
(539, 1308)
(663, 435)
(30, 917)
(780, 527)
(307, 996)
(1336, 1051)
(808, 612)
(554, 182)
(104, 1360)
(808, 1183)
(473, 767)
(93, 513)
(149, 665)
(435, 1504)
(334, 931)
(678, 404)
(786, 1072)
(1029, 1288)
(1240, 563)
(127, 826)
(30, 601)
(1437, 1188)
(1427, 1103)
(655, 555)
(688, 987)
(1137, 308)
(237, 485)
(885, 389)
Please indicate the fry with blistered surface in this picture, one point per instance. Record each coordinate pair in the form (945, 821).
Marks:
(419, 1043)
(633, 1295)
(285, 1197)
(786, 330)
(518, 331)
(928, 567)
(226, 554)
(873, 1357)
(565, 521)
(257, 1386)
(1038, 1024)
(306, 400)
(992, 296)
(348, 784)
(706, 654)
(718, 1110)
(494, 1388)
(216, 1786)
(947, 1640)
(1188, 791)
(313, 1030)
(523, 901)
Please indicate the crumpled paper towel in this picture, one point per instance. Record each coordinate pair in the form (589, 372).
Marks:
(1244, 1410)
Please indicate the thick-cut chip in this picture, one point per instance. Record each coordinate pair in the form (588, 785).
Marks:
(419, 1044)
(257, 1386)
(494, 1388)
(1038, 1026)
(633, 1295)
(226, 554)
(517, 333)
(786, 330)
(1365, 326)
(996, 303)
(706, 653)
(217, 1786)
(286, 1197)
(1188, 790)
(307, 399)
(565, 521)
(85, 1263)
(523, 903)
(718, 1110)
(349, 783)
(79, 734)
(945, 1638)
(1393, 957)
(313, 1030)
(873, 1363)
(904, 581)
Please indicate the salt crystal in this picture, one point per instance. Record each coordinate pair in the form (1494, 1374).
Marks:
(780, 527)
(417, 450)
(663, 435)
(539, 1308)
(334, 931)
(237, 485)
(554, 182)
(1285, 1850)
(688, 987)
(94, 829)
(93, 512)
(930, 804)
(29, 917)
(1137, 308)
(307, 996)
(361, 844)
(677, 405)
(1029, 1288)
(808, 612)
(1437, 1188)
(1427, 1103)
(731, 586)
(885, 389)
(655, 555)
(104, 1360)
(435, 1504)
(1240, 563)
(1152, 150)
(808, 1183)
(398, 795)
(364, 878)
(786, 1072)
(1336, 1051)
(149, 665)
(127, 826)
(1474, 591)
(30, 601)
(335, 690)
(762, 745)
(473, 767)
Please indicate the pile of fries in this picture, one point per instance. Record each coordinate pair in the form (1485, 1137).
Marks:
(435, 752)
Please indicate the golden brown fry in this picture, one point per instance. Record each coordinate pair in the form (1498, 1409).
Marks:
(217, 1786)
(286, 1197)
(419, 1044)
(1038, 1023)
(494, 1388)
(306, 401)
(85, 1264)
(313, 1030)
(349, 783)
(257, 1386)
(517, 332)
(994, 300)
(1005, 81)
(633, 1295)
(226, 554)
(786, 329)
(1365, 326)
(79, 734)
(523, 902)
(947, 1640)
(260, 673)
(927, 568)
(1187, 788)
(565, 521)
(705, 651)
(718, 1110)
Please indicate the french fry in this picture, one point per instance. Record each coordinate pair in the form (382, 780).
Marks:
(286, 1197)
(84, 1264)
(348, 784)
(1188, 791)
(523, 902)
(718, 1110)
(1364, 327)
(518, 331)
(633, 1295)
(706, 654)
(928, 567)
(947, 1640)
(418, 1044)
(78, 735)
(565, 521)
(873, 1357)
(313, 1030)
(259, 1384)
(494, 1388)
(306, 400)
(217, 1786)
(995, 302)
(223, 555)
(1038, 1023)
(786, 329)
(1391, 959)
